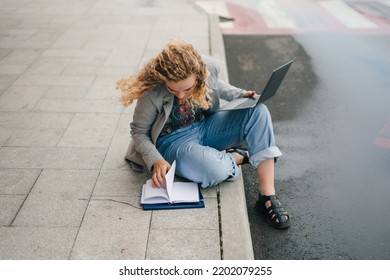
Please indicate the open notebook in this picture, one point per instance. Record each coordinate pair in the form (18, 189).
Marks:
(176, 195)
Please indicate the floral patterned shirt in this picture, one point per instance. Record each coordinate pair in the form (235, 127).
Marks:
(183, 114)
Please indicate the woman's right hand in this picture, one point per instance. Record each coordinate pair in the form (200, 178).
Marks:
(160, 169)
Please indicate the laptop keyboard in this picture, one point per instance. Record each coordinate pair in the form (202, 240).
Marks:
(247, 104)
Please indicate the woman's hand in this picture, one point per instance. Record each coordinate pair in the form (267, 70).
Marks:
(249, 94)
(160, 169)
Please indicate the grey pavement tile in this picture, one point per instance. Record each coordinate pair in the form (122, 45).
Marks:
(147, 55)
(199, 42)
(90, 130)
(43, 38)
(183, 244)
(80, 70)
(21, 57)
(35, 138)
(115, 71)
(58, 199)
(76, 50)
(3, 87)
(5, 134)
(124, 57)
(48, 67)
(29, 44)
(149, 11)
(78, 105)
(16, 33)
(56, 8)
(66, 92)
(20, 243)
(65, 158)
(119, 183)
(17, 181)
(125, 120)
(47, 80)
(21, 98)
(86, 23)
(3, 53)
(104, 88)
(210, 192)
(12, 69)
(9, 206)
(137, 33)
(192, 219)
(109, 32)
(143, 21)
(88, 60)
(7, 80)
(116, 152)
(113, 229)
(159, 39)
(129, 110)
(77, 53)
(34, 120)
(73, 39)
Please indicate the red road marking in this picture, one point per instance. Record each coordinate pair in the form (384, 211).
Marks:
(308, 15)
(383, 138)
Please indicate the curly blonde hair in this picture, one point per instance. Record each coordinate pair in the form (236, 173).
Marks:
(176, 62)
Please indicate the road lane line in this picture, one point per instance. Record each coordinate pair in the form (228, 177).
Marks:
(347, 15)
(274, 16)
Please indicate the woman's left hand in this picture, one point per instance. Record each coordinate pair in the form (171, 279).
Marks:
(249, 94)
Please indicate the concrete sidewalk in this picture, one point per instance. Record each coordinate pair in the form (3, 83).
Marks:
(65, 190)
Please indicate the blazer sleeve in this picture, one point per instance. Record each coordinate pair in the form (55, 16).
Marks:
(225, 90)
(145, 114)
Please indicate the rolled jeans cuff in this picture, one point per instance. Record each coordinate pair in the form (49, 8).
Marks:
(271, 152)
(236, 172)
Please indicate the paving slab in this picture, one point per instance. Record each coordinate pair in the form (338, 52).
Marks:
(113, 228)
(192, 219)
(183, 244)
(67, 92)
(34, 120)
(34, 137)
(78, 105)
(9, 207)
(60, 158)
(21, 98)
(58, 199)
(17, 181)
(116, 183)
(89, 130)
(30, 243)
(65, 190)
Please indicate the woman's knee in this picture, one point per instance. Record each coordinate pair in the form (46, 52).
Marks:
(206, 168)
(262, 111)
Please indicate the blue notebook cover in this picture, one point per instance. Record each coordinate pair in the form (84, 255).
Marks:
(167, 206)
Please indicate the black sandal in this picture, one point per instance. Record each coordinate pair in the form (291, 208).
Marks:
(242, 152)
(276, 215)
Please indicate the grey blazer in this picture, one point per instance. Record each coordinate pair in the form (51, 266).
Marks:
(153, 109)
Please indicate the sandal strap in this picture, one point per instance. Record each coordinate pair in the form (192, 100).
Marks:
(276, 210)
(242, 152)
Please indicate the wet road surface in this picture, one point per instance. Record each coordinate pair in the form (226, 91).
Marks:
(333, 178)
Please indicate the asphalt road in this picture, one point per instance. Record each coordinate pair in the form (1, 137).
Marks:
(333, 179)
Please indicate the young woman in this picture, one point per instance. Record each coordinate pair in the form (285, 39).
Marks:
(178, 92)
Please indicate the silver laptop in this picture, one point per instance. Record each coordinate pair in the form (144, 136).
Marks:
(270, 89)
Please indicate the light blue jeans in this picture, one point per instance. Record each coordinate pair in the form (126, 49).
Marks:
(199, 149)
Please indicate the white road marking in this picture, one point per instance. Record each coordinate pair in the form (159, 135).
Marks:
(274, 16)
(347, 15)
